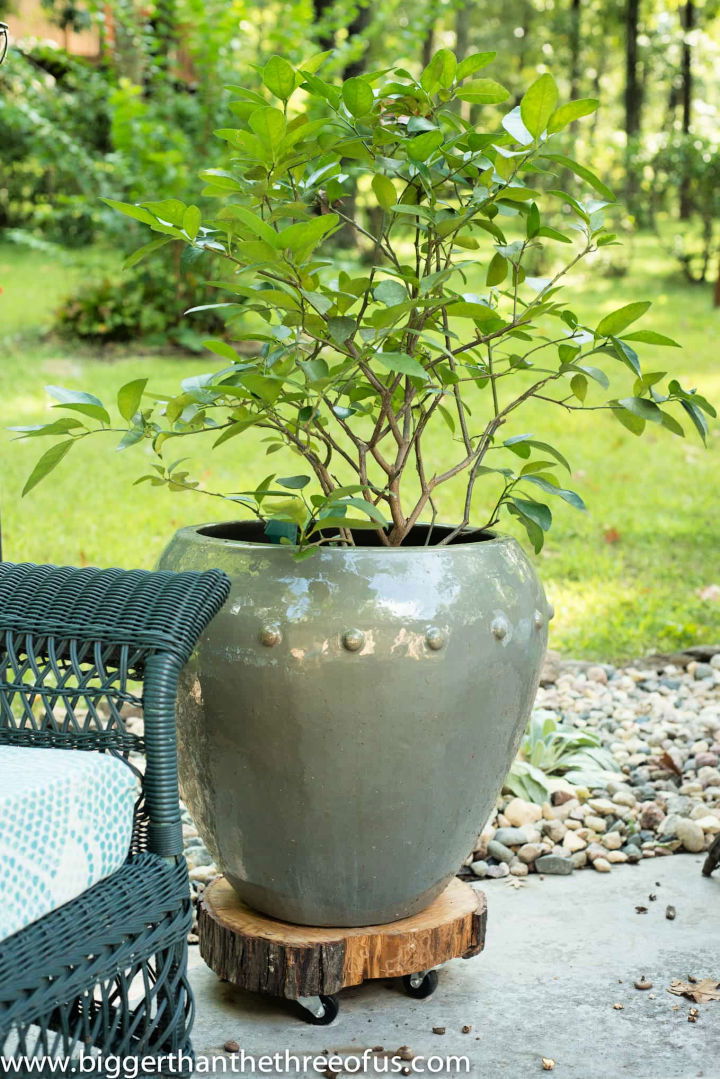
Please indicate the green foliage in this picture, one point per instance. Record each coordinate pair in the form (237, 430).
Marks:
(548, 750)
(682, 187)
(353, 370)
(140, 304)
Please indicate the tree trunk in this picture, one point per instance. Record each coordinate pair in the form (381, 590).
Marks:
(686, 98)
(633, 101)
(462, 29)
(574, 42)
(428, 45)
(325, 36)
(716, 298)
(359, 25)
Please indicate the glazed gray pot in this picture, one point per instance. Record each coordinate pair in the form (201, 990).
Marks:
(347, 720)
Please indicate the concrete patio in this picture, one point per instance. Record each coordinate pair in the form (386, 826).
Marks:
(561, 952)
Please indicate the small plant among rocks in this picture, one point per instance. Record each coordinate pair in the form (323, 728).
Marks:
(358, 369)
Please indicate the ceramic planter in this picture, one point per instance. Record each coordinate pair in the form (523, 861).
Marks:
(348, 719)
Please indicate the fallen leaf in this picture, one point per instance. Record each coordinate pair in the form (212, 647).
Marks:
(611, 535)
(670, 760)
(548, 1064)
(700, 991)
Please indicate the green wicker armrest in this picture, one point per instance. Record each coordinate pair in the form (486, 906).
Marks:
(75, 643)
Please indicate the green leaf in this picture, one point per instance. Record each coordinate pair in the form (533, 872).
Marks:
(129, 397)
(615, 323)
(127, 208)
(316, 369)
(49, 460)
(640, 406)
(536, 534)
(360, 504)
(340, 329)
(570, 497)
(390, 292)
(222, 179)
(522, 445)
(473, 63)
(135, 434)
(573, 110)
(402, 364)
(294, 483)
(253, 223)
(699, 421)
(60, 426)
(221, 348)
(440, 72)
(74, 397)
(649, 337)
(279, 77)
(672, 424)
(305, 235)
(96, 412)
(584, 173)
(497, 270)
(357, 96)
(269, 124)
(384, 190)
(579, 386)
(536, 511)
(192, 219)
(343, 522)
(538, 104)
(480, 312)
(635, 424)
(146, 249)
(421, 147)
(483, 92)
(594, 373)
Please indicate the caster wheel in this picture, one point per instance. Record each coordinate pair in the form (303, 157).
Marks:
(321, 1012)
(423, 988)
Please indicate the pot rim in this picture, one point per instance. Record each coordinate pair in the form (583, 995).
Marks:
(200, 533)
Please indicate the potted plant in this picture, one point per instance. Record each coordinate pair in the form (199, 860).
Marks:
(352, 712)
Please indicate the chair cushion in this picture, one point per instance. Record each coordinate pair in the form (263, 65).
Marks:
(66, 822)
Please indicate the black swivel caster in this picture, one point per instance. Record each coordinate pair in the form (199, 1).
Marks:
(420, 985)
(320, 1011)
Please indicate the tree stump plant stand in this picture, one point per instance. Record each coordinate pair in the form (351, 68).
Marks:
(310, 965)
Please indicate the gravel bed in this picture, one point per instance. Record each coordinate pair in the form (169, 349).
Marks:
(660, 719)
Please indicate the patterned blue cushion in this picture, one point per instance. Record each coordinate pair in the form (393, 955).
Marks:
(65, 823)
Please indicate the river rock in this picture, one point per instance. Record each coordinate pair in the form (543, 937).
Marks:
(519, 812)
(690, 835)
(511, 837)
(500, 851)
(554, 865)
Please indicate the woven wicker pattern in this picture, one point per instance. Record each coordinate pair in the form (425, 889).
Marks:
(151, 610)
(80, 649)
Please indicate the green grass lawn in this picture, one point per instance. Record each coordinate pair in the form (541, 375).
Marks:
(625, 578)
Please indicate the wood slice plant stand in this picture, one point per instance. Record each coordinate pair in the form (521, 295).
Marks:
(310, 965)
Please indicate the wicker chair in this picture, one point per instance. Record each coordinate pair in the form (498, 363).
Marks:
(106, 972)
